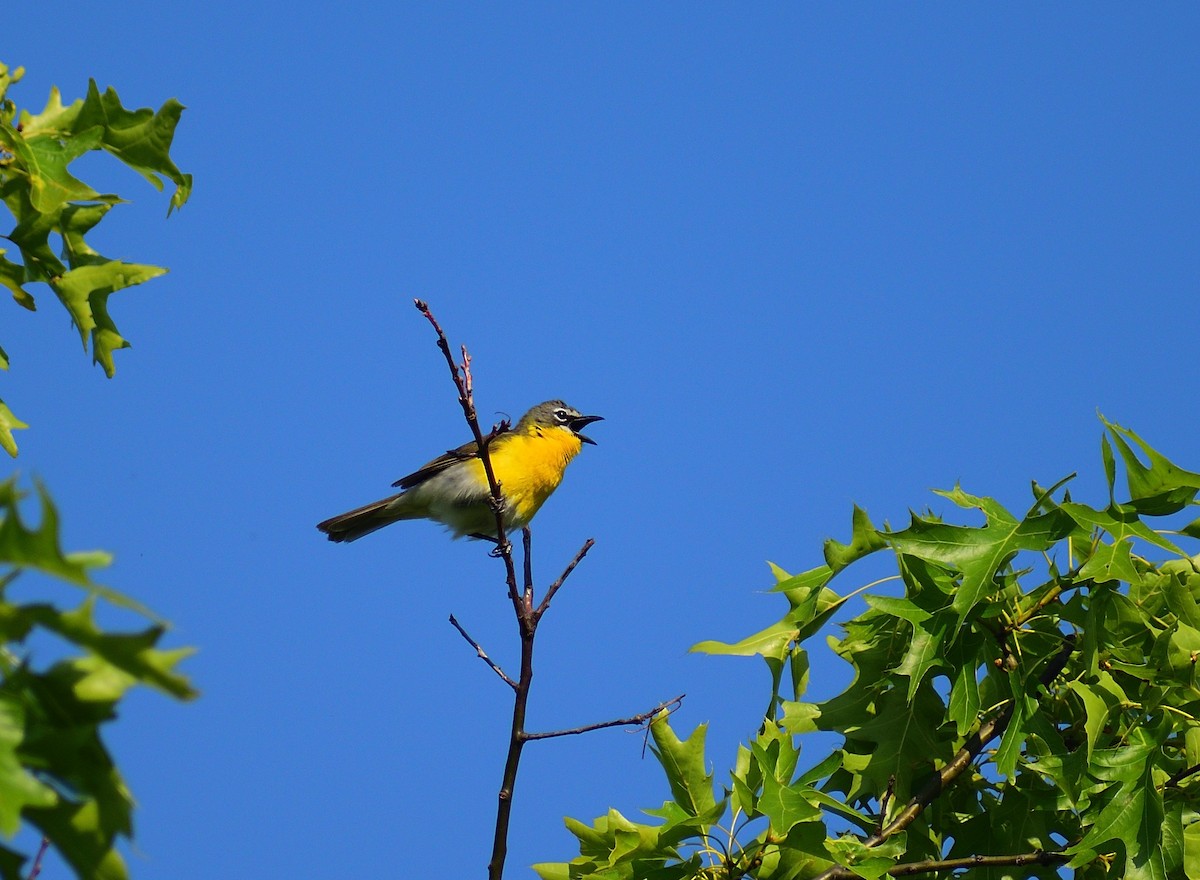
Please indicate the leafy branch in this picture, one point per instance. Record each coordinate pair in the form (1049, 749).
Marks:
(48, 202)
(946, 777)
(55, 770)
(1037, 681)
(56, 773)
(528, 615)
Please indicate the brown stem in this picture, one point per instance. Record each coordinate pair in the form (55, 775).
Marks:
(930, 866)
(37, 860)
(482, 654)
(639, 719)
(516, 743)
(466, 398)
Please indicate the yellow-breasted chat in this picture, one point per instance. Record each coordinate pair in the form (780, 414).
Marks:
(529, 461)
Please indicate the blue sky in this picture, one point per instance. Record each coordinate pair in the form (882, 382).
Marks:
(799, 257)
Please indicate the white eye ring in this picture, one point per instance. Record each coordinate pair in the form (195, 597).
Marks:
(561, 415)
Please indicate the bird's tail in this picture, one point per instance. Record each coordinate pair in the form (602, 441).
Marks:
(352, 525)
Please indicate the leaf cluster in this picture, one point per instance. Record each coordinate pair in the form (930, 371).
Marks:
(55, 771)
(1030, 702)
(50, 206)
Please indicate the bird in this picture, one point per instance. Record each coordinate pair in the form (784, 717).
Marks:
(528, 461)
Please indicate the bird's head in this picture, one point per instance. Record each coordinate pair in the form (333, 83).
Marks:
(556, 414)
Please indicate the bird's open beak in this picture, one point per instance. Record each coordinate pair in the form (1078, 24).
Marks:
(583, 422)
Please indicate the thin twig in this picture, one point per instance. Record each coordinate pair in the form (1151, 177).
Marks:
(640, 719)
(944, 778)
(930, 866)
(464, 383)
(554, 587)
(37, 860)
(482, 653)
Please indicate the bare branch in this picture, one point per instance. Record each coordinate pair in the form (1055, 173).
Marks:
(466, 398)
(640, 719)
(554, 587)
(37, 860)
(464, 382)
(482, 653)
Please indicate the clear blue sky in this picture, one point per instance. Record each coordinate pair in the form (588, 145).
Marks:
(799, 258)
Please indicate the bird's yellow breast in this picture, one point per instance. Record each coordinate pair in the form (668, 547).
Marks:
(530, 465)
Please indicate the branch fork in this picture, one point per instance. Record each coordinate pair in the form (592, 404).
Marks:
(528, 615)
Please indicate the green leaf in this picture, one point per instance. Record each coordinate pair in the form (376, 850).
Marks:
(771, 642)
(801, 854)
(44, 158)
(8, 424)
(1097, 703)
(1192, 529)
(119, 659)
(979, 553)
(965, 702)
(902, 741)
(79, 836)
(1111, 561)
(40, 549)
(1110, 467)
(870, 862)
(684, 764)
(925, 651)
(18, 788)
(864, 540)
(1009, 750)
(1160, 489)
(12, 276)
(906, 609)
(1191, 851)
(799, 717)
(26, 548)
(785, 806)
(139, 138)
(85, 291)
(1180, 598)
(811, 604)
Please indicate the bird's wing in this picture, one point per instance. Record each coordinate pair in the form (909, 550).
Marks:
(465, 452)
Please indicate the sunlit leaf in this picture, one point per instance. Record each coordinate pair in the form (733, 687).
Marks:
(864, 540)
(979, 553)
(8, 424)
(1158, 489)
(683, 761)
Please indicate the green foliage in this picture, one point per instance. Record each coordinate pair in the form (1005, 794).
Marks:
(55, 771)
(1031, 701)
(49, 204)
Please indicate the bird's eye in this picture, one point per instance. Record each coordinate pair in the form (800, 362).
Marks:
(561, 415)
